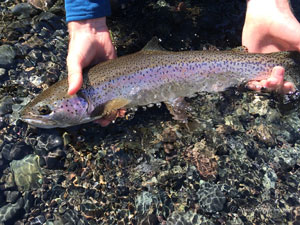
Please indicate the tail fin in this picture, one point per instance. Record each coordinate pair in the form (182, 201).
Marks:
(292, 68)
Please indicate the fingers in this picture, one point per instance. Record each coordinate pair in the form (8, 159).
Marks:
(288, 88)
(274, 83)
(74, 77)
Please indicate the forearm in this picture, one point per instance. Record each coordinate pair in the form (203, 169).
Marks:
(86, 9)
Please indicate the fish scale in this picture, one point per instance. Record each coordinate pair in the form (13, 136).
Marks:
(151, 76)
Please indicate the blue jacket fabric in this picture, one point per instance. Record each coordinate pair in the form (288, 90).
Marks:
(86, 9)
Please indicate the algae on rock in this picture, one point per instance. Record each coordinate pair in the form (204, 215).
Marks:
(27, 172)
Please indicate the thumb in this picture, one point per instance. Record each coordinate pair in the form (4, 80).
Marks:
(74, 78)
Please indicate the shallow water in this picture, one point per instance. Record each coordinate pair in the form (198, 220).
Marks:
(235, 162)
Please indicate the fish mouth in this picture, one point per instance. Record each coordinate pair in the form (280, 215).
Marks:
(38, 121)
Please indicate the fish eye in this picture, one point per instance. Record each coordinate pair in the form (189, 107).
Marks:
(44, 110)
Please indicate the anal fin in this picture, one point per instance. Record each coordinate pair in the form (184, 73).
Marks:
(178, 107)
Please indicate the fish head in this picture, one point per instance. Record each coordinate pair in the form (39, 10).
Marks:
(55, 108)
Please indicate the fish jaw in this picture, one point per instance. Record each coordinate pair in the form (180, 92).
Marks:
(65, 112)
(38, 121)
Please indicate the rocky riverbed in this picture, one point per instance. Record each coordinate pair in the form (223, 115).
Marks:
(236, 162)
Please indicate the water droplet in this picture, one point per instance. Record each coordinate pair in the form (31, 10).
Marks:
(150, 105)
(129, 116)
(158, 104)
(80, 138)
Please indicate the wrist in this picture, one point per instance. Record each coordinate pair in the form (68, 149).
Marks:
(88, 26)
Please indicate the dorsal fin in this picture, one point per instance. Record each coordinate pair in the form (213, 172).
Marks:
(153, 45)
(240, 49)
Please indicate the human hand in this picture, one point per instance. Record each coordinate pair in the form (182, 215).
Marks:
(270, 26)
(89, 44)
(274, 83)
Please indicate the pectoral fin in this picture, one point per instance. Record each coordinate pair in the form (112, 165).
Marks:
(108, 107)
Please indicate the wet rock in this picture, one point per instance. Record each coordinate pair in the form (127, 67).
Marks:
(285, 158)
(55, 160)
(187, 218)
(11, 196)
(2, 199)
(15, 151)
(8, 181)
(90, 210)
(204, 158)
(259, 105)
(49, 142)
(211, 198)
(35, 55)
(269, 181)
(42, 4)
(2, 163)
(6, 105)
(264, 134)
(36, 80)
(49, 20)
(27, 172)
(40, 219)
(33, 42)
(24, 10)
(2, 72)
(10, 210)
(7, 55)
(147, 203)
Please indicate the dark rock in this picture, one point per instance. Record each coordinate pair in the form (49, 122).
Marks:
(2, 72)
(23, 9)
(8, 181)
(15, 151)
(6, 151)
(2, 199)
(42, 4)
(35, 55)
(9, 211)
(12, 196)
(12, 74)
(54, 160)
(50, 21)
(147, 202)
(28, 201)
(188, 218)
(33, 42)
(40, 219)
(17, 28)
(211, 198)
(2, 164)
(21, 49)
(6, 105)
(48, 142)
(7, 55)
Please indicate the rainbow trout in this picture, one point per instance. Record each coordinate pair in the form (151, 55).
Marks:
(150, 76)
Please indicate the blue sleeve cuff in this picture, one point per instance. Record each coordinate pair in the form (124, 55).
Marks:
(86, 9)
